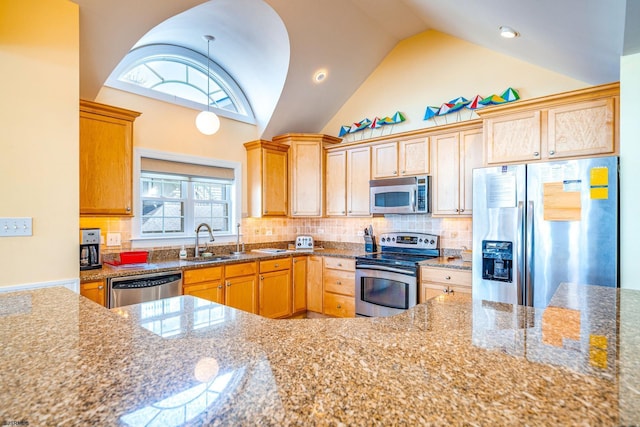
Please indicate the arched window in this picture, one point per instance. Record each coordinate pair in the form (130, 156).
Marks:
(179, 75)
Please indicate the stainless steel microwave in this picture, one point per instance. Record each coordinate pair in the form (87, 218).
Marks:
(407, 195)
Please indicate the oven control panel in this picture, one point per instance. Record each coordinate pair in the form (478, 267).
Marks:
(410, 240)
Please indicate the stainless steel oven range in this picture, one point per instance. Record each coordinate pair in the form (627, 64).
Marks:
(387, 281)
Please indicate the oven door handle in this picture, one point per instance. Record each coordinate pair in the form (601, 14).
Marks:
(384, 268)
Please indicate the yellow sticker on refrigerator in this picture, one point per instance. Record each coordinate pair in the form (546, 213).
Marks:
(599, 182)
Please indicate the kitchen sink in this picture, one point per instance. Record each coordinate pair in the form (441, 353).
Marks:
(213, 258)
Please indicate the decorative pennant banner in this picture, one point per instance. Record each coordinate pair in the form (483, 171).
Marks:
(478, 101)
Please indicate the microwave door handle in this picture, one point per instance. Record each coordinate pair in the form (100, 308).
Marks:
(413, 200)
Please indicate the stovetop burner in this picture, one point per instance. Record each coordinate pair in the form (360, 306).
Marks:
(403, 249)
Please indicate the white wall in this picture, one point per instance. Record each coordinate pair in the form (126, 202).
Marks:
(629, 171)
(39, 45)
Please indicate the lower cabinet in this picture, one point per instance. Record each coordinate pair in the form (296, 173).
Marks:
(95, 291)
(314, 283)
(440, 281)
(299, 284)
(274, 289)
(240, 286)
(205, 283)
(339, 287)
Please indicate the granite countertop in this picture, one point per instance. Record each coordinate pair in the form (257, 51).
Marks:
(447, 262)
(108, 271)
(451, 361)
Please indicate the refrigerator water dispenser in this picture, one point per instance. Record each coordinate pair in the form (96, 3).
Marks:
(497, 261)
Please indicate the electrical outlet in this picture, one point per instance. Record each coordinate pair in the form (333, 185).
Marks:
(13, 227)
(320, 230)
(268, 232)
(360, 233)
(113, 239)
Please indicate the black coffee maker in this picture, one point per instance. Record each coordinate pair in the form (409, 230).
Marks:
(90, 249)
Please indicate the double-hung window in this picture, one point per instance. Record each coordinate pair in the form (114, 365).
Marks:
(175, 197)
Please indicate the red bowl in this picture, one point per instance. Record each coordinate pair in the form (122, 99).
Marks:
(134, 257)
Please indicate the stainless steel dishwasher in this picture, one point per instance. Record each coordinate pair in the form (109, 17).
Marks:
(129, 290)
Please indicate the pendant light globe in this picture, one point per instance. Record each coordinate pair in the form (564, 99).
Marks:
(207, 121)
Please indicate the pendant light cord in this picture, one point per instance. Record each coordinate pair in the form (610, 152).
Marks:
(208, 74)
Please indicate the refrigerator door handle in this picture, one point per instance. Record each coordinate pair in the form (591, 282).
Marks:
(530, 247)
(520, 277)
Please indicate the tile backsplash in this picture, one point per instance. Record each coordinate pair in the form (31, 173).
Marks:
(455, 233)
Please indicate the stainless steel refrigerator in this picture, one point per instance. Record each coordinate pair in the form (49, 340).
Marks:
(539, 225)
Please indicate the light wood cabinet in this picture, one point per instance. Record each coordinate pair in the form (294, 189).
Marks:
(95, 291)
(204, 283)
(436, 281)
(106, 152)
(347, 176)
(241, 286)
(267, 176)
(339, 287)
(314, 283)
(455, 155)
(574, 124)
(401, 158)
(274, 294)
(299, 284)
(306, 171)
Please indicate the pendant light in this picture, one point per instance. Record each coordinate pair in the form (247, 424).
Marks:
(207, 121)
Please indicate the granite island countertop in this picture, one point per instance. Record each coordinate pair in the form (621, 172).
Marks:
(450, 361)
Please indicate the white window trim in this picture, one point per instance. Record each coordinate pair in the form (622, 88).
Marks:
(138, 241)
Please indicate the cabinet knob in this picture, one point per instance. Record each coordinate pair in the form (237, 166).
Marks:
(402, 172)
(551, 153)
(276, 265)
(295, 260)
(536, 154)
(447, 278)
(338, 282)
(228, 283)
(339, 264)
(395, 172)
(457, 210)
(128, 208)
(461, 210)
(261, 277)
(100, 287)
(350, 211)
(220, 286)
(338, 306)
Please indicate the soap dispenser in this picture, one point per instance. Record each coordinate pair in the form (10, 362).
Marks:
(183, 253)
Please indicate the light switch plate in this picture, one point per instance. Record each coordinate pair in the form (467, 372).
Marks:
(13, 227)
(113, 239)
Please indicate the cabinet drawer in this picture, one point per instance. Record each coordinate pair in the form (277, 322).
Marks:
(341, 282)
(244, 269)
(275, 265)
(432, 290)
(202, 275)
(446, 276)
(339, 305)
(340, 263)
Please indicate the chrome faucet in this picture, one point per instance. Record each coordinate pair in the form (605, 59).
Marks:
(205, 225)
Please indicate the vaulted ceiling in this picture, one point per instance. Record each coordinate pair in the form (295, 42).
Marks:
(273, 47)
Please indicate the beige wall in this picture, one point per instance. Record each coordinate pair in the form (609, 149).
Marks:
(39, 47)
(432, 68)
(629, 171)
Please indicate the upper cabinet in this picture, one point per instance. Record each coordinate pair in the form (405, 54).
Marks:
(106, 151)
(306, 171)
(455, 155)
(267, 165)
(347, 181)
(572, 124)
(400, 158)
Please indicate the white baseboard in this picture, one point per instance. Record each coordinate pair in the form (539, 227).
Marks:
(71, 284)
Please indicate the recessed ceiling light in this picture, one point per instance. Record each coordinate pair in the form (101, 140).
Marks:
(320, 76)
(508, 32)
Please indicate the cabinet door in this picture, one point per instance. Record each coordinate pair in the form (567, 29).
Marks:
(336, 178)
(384, 160)
(513, 138)
(106, 145)
(446, 174)
(275, 294)
(240, 293)
(358, 176)
(94, 291)
(212, 291)
(299, 284)
(314, 283)
(581, 129)
(306, 178)
(414, 156)
(274, 189)
(470, 158)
